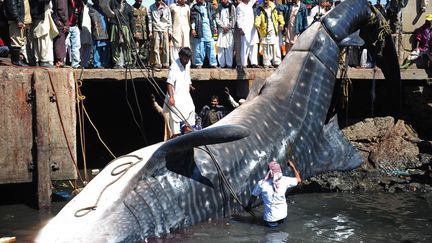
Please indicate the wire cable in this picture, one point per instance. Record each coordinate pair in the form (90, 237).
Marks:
(224, 182)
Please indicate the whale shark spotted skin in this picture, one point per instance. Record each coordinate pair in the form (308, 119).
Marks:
(171, 185)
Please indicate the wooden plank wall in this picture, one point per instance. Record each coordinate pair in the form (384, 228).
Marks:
(16, 135)
(25, 123)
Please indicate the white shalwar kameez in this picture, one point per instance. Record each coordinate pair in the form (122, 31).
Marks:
(245, 21)
(181, 29)
(184, 108)
(225, 42)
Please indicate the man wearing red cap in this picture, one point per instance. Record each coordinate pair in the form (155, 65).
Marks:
(272, 190)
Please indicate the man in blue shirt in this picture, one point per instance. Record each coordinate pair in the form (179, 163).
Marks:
(203, 26)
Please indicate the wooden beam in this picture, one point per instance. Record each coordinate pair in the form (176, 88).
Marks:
(216, 74)
(43, 178)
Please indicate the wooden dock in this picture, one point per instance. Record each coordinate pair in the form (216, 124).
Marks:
(250, 74)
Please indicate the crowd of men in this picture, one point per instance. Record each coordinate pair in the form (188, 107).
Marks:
(50, 33)
(114, 34)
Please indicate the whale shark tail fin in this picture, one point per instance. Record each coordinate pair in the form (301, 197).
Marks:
(335, 152)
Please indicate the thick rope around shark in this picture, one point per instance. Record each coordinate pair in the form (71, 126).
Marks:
(84, 211)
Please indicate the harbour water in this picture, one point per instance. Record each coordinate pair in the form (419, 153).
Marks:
(316, 217)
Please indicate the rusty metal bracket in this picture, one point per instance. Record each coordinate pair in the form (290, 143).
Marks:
(53, 98)
(55, 166)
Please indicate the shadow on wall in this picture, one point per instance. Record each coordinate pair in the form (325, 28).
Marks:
(419, 10)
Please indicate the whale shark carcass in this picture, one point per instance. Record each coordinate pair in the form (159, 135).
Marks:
(167, 186)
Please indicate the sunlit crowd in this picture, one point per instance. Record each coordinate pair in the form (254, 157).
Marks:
(115, 34)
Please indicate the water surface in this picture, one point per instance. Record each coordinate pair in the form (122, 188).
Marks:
(318, 217)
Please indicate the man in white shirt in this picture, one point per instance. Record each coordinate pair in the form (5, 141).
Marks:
(272, 190)
(249, 36)
(180, 104)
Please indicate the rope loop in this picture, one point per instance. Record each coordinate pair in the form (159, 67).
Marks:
(84, 211)
(127, 165)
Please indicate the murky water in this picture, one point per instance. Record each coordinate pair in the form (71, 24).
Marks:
(334, 217)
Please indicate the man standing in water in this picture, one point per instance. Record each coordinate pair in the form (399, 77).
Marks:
(180, 104)
(272, 190)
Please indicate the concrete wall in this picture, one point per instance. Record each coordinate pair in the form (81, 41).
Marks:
(412, 16)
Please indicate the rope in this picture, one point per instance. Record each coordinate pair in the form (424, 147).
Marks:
(383, 29)
(346, 84)
(373, 90)
(86, 210)
(140, 126)
(151, 80)
(80, 100)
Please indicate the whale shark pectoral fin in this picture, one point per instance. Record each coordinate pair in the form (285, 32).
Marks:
(179, 153)
(210, 135)
(183, 163)
(352, 40)
(256, 88)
